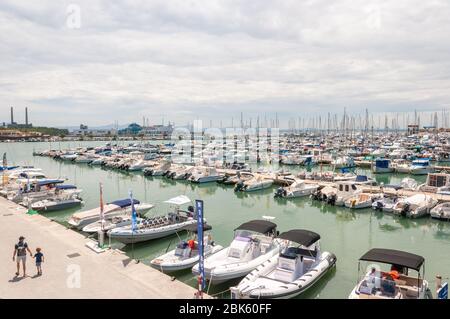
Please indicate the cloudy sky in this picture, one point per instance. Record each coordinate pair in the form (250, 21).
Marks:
(96, 62)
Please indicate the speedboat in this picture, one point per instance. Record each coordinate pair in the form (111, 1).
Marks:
(254, 243)
(393, 284)
(287, 274)
(343, 162)
(345, 190)
(441, 211)
(183, 256)
(157, 226)
(159, 170)
(118, 207)
(418, 205)
(255, 183)
(297, 189)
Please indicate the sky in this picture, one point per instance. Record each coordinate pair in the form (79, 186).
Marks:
(97, 62)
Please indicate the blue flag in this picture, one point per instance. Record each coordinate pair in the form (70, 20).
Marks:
(133, 214)
(201, 257)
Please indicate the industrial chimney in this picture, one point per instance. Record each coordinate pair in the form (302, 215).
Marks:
(26, 116)
(12, 115)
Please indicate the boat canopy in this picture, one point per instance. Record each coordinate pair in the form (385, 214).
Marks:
(394, 257)
(301, 236)
(124, 202)
(66, 187)
(258, 225)
(49, 182)
(382, 162)
(361, 178)
(193, 228)
(179, 200)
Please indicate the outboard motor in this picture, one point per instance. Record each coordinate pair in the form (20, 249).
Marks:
(332, 200)
(280, 192)
(379, 206)
(405, 210)
(239, 186)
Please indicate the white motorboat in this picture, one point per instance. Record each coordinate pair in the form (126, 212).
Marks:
(382, 165)
(254, 243)
(361, 200)
(118, 207)
(420, 167)
(159, 170)
(204, 175)
(436, 183)
(185, 256)
(441, 211)
(110, 222)
(408, 184)
(395, 283)
(55, 204)
(138, 165)
(157, 226)
(297, 189)
(385, 204)
(256, 183)
(180, 173)
(343, 162)
(345, 190)
(418, 205)
(296, 269)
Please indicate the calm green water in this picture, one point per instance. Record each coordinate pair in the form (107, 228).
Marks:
(346, 233)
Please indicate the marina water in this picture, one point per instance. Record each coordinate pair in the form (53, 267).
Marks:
(347, 233)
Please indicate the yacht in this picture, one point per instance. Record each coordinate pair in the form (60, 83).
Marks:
(254, 243)
(293, 271)
(183, 256)
(297, 189)
(393, 284)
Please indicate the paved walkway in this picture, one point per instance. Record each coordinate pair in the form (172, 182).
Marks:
(72, 270)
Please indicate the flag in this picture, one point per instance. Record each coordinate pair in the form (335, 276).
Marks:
(5, 162)
(102, 213)
(201, 257)
(133, 213)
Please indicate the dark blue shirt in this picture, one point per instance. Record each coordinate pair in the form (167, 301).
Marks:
(38, 257)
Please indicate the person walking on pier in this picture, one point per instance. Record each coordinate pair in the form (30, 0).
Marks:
(39, 259)
(20, 252)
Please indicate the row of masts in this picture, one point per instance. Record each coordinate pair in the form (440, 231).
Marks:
(389, 122)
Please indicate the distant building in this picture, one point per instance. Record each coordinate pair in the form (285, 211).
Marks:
(158, 130)
(83, 127)
(132, 129)
(413, 129)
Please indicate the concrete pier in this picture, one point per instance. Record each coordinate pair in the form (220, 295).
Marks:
(72, 270)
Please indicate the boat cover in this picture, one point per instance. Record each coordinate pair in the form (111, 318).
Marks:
(66, 187)
(301, 236)
(258, 225)
(49, 182)
(179, 200)
(394, 257)
(124, 202)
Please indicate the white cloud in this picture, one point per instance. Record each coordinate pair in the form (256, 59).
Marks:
(214, 59)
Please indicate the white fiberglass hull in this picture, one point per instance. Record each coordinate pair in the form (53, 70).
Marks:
(258, 285)
(126, 236)
(169, 262)
(219, 268)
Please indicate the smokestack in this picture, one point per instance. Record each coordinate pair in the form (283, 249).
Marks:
(12, 115)
(26, 116)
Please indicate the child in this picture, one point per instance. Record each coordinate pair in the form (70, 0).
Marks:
(39, 259)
